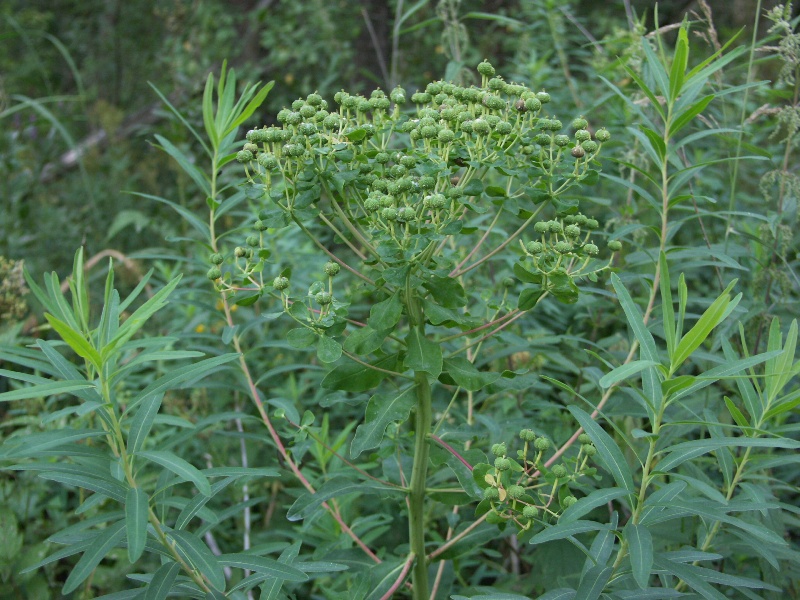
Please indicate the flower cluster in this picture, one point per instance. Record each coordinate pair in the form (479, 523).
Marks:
(524, 490)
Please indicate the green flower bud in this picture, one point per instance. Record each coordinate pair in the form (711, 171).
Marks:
(446, 136)
(541, 444)
(480, 126)
(282, 114)
(530, 512)
(542, 139)
(528, 149)
(244, 156)
(331, 268)
(561, 140)
(568, 501)
(398, 95)
(504, 128)
(428, 131)
(555, 227)
(572, 231)
(267, 161)
(493, 102)
(363, 105)
(466, 126)
(404, 184)
(260, 225)
(420, 98)
(590, 146)
(535, 247)
(405, 214)
(331, 121)
(280, 283)
(543, 97)
(449, 114)
(409, 162)
(251, 147)
(427, 182)
(455, 192)
(307, 129)
(382, 158)
(533, 104)
(253, 241)
(433, 88)
(314, 99)
(579, 123)
(252, 135)
(588, 450)
(214, 273)
(499, 449)
(496, 84)
(491, 493)
(390, 214)
(592, 224)
(239, 252)
(294, 118)
(591, 249)
(615, 245)
(559, 471)
(323, 298)
(584, 438)
(602, 135)
(502, 464)
(582, 135)
(527, 435)
(307, 111)
(563, 247)
(216, 258)
(372, 204)
(398, 171)
(508, 282)
(541, 226)
(515, 491)
(486, 69)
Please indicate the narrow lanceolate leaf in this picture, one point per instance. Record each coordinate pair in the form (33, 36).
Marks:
(565, 530)
(161, 583)
(104, 543)
(624, 371)
(43, 390)
(423, 354)
(588, 503)
(75, 340)
(382, 409)
(606, 449)
(31, 445)
(684, 451)
(180, 376)
(702, 329)
(333, 488)
(640, 549)
(464, 373)
(180, 467)
(142, 422)
(136, 518)
(198, 554)
(111, 489)
(594, 582)
(260, 564)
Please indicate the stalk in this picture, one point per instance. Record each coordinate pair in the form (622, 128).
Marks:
(423, 417)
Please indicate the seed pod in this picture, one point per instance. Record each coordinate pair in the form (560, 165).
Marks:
(527, 435)
(541, 444)
(252, 241)
(530, 512)
(591, 249)
(578, 152)
(323, 298)
(214, 273)
(244, 156)
(615, 245)
(280, 283)
(499, 449)
(216, 258)
(579, 123)
(559, 471)
(502, 464)
(486, 69)
(602, 135)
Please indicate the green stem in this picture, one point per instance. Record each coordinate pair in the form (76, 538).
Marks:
(423, 418)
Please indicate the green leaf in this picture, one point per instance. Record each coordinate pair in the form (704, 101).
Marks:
(624, 371)
(684, 451)
(683, 119)
(328, 349)
(333, 488)
(101, 545)
(355, 377)
(142, 422)
(529, 297)
(198, 554)
(446, 291)
(175, 378)
(423, 354)
(44, 390)
(565, 530)
(251, 107)
(111, 489)
(382, 410)
(588, 503)
(76, 341)
(563, 288)
(301, 337)
(31, 444)
(136, 519)
(712, 317)
(385, 314)
(180, 467)
(208, 111)
(161, 583)
(192, 171)
(678, 71)
(365, 340)
(606, 449)
(640, 549)
(466, 375)
(265, 566)
(593, 582)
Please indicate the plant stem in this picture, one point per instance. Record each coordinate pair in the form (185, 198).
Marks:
(419, 474)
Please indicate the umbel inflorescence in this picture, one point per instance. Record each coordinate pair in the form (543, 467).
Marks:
(393, 183)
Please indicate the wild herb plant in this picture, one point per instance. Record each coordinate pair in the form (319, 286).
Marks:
(445, 231)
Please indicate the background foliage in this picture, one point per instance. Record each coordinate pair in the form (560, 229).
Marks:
(695, 381)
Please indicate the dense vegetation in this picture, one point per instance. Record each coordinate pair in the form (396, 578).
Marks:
(471, 300)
